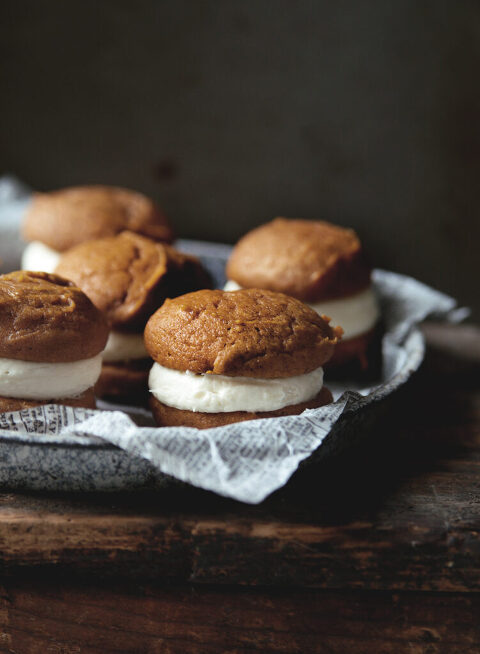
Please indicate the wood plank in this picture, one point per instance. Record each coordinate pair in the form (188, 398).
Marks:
(401, 512)
(52, 616)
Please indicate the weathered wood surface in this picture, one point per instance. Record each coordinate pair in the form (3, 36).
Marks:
(86, 619)
(402, 513)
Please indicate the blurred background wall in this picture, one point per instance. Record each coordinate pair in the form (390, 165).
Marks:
(230, 112)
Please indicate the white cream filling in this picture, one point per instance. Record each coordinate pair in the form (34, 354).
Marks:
(356, 314)
(122, 346)
(211, 393)
(31, 380)
(232, 286)
(39, 257)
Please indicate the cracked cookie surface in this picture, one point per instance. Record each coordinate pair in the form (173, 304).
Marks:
(249, 333)
(44, 317)
(62, 219)
(310, 260)
(129, 276)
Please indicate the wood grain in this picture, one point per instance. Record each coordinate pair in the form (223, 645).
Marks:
(88, 619)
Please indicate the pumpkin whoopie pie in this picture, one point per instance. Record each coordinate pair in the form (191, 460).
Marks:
(227, 357)
(51, 339)
(319, 263)
(128, 277)
(59, 220)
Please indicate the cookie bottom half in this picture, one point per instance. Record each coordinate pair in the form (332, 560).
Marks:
(359, 357)
(124, 382)
(167, 416)
(85, 400)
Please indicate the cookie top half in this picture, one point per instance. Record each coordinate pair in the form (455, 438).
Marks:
(310, 260)
(64, 218)
(46, 318)
(248, 333)
(129, 276)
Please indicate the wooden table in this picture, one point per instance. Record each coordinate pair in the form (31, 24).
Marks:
(376, 551)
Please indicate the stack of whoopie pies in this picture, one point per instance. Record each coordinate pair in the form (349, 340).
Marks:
(256, 349)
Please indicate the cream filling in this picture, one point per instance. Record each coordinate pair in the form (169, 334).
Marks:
(356, 314)
(39, 257)
(31, 380)
(122, 346)
(211, 393)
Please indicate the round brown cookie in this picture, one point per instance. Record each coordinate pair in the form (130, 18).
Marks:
(166, 416)
(125, 382)
(64, 218)
(249, 333)
(128, 276)
(85, 400)
(46, 318)
(310, 260)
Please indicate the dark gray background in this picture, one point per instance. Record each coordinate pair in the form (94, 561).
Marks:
(229, 112)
